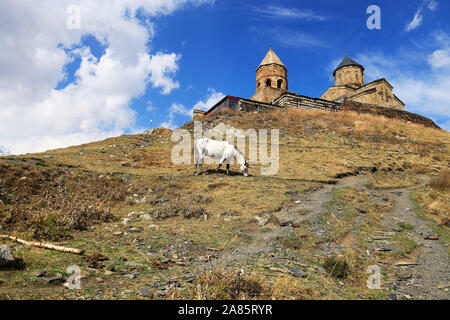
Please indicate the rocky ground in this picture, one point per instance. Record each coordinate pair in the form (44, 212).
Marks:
(352, 192)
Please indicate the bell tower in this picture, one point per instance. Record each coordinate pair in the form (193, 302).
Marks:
(271, 78)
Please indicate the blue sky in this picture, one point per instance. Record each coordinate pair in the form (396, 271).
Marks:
(222, 45)
(139, 61)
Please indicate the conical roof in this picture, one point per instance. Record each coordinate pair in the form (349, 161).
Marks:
(347, 61)
(271, 58)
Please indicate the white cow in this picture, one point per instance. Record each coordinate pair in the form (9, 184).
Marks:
(219, 150)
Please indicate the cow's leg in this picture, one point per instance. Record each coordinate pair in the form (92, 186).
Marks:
(228, 169)
(201, 168)
(195, 169)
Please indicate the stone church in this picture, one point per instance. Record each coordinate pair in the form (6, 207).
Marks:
(349, 86)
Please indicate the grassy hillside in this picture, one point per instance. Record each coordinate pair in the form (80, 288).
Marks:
(146, 223)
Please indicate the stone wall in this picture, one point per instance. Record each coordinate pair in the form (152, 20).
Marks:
(287, 100)
(291, 100)
(388, 113)
(250, 105)
(198, 115)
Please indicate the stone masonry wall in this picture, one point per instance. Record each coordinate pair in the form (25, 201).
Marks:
(291, 100)
(388, 113)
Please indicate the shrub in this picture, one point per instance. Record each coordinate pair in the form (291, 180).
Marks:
(337, 266)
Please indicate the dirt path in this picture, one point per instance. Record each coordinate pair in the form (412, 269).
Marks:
(310, 203)
(432, 268)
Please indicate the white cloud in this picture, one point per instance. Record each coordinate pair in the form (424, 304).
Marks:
(288, 38)
(278, 12)
(425, 89)
(4, 151)
(179, 109)
(35, 116)
(162, 67)
(206, 104)
(149, 107)
(415, 22)
(173, 111)
(440, 58)
(296, 39)
(433, 5)
(418, 17)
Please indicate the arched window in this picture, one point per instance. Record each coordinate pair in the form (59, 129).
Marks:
(279, 83)
(258, 84)
(268, 83)
(356, 74)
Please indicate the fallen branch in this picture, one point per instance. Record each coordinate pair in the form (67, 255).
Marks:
(44, 245)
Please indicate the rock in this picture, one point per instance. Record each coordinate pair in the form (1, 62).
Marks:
(321, 270)
(108, 272)
(118, 233)
(133, 264)
(444, 285)
(55, 279)
(432, 237)
(161, 294)
(295, 224)
(384, 249)
(189, 279)
(6, 257)
(146, 217)
(403, 275)
(406, 263)
(130, 275)
(153, 226)
(146, 293)
(296, 272)
(135, 230)
(261, 221)
(378, 238)
(39, 274)
(99, 280)
(285, 223)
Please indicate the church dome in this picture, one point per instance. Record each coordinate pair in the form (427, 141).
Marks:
(347, 61)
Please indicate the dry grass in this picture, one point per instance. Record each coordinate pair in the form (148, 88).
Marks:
(50, 202)
(442, 181)
(74, 188)
(226, 285)
(435, 199)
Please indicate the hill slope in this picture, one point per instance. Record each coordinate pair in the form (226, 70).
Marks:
(336, 207)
